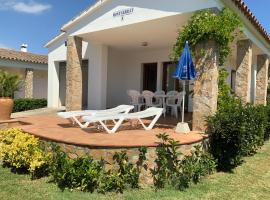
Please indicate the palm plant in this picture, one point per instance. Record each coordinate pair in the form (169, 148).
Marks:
(9, 83)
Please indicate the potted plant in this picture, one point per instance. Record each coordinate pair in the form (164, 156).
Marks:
(9, 83)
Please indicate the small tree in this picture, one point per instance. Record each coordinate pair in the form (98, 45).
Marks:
(9, 83)
(207, 25)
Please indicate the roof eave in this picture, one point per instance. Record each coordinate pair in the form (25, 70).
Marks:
(238, 3)
(48, 44)
(252, 18)
(83, 14)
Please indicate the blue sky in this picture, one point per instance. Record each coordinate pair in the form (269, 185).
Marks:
(37, 21)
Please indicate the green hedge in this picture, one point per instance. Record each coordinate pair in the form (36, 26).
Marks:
(237, 131)
(28, 104)
(267, 129)
(89, 175)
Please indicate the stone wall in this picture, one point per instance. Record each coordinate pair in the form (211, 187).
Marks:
(262, 79)
(243, 70)
(74, 74)
(206, 84)
(28, 85)
(133, 153)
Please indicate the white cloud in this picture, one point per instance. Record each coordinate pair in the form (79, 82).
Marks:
(30, 7)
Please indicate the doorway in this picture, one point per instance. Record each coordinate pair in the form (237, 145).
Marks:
(62, 83)
(168, 82)
(172, 84)
(150, 77)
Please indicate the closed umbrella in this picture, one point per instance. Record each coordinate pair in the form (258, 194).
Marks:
(185, 71)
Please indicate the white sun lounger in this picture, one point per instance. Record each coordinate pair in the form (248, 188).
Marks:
(75, 116)
(119, 118)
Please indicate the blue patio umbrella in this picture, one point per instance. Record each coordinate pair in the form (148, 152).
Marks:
(185, 71)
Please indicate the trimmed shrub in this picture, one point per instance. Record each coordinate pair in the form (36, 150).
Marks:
(82, 173)
(124, 175)
(174, 169)
(193, 168)
(236, 131)
(23, 152)
(28, 104)
(86, 174)
(267, 129)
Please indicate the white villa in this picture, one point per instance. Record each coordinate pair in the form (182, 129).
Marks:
(117, 45)
(32, 68)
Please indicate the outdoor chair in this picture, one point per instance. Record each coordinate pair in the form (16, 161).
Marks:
(118, 119)
(160, 92)
(136, 99)
(75, 116)
(170, 98)
(174, 102)
(172, 93)
(149, 97)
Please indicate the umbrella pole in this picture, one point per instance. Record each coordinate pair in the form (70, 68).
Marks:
(183, 104)
(183, 127)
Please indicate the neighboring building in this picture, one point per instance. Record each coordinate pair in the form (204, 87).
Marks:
(32, 68)
(118, 45)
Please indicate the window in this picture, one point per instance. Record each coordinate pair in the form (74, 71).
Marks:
(233, 78)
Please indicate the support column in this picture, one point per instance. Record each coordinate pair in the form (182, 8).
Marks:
(74, 74)
(97, 76)
(243, 70)
(53, 83)
(29, 79)
(206, 84)
(262, 79)
(159, 76)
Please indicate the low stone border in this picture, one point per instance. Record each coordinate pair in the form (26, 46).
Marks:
(133, 153)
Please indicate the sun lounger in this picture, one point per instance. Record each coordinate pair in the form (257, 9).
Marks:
(75, 116)
(119, 118)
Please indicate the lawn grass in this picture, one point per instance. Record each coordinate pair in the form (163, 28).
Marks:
(249, 181)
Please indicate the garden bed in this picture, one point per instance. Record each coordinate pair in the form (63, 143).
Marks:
(107, 153)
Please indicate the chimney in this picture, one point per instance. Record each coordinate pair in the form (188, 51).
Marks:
(24, 47)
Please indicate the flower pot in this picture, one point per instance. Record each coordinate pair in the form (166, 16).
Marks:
(6, 106)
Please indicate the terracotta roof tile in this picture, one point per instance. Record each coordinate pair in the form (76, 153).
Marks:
(252, 18)
(23, 56)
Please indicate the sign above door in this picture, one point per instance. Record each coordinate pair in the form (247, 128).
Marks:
(123, 12)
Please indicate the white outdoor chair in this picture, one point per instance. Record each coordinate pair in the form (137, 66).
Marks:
(118, 119)
(136, 99)
(160, 92)
(172, 93)
(75, 116)
(171, 97)
(148, 97)
(174, 102)
(161, 99)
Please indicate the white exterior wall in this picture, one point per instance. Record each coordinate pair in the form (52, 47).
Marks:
(144, 10)
(125, 72)
(97, 77)
(112, 72)
(40, 83)
(57, 53)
